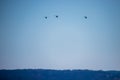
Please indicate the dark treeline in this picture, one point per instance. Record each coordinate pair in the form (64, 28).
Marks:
(44, 74)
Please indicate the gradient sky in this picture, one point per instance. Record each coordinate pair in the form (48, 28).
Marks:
(28, 40)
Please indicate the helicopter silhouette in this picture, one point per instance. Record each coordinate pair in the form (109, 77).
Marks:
(85, 17)
(46, 17)
(56, 16)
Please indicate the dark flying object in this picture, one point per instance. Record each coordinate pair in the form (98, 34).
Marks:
(56, 16)
(85, 17)
(46, 17)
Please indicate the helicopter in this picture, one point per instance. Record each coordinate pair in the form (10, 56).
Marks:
(46, 17)
(56, 16)
(85, 17)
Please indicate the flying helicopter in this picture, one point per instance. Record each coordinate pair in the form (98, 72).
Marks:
(56, 16)
(46, 17)
(85, 17)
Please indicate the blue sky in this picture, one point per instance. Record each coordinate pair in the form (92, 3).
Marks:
(28, 40)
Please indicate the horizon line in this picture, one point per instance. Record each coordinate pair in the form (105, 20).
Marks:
(58, 69)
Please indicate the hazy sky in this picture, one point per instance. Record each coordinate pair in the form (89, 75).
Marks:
(28, 40)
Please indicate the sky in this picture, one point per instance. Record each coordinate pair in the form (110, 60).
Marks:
(28, 40)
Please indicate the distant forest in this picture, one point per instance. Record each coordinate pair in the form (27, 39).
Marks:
(46, 74)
